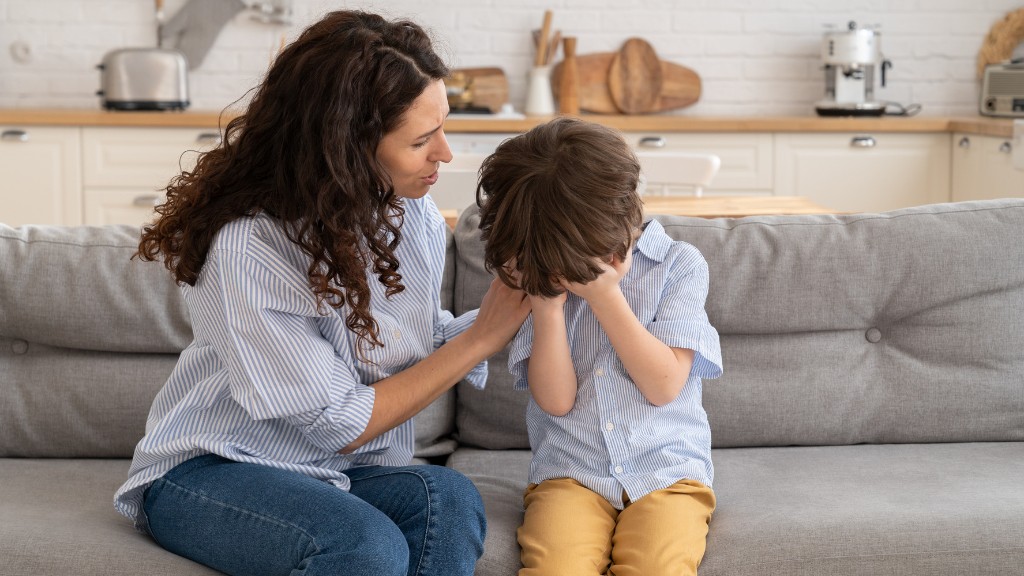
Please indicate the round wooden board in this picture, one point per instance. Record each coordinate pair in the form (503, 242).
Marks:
(634, 77)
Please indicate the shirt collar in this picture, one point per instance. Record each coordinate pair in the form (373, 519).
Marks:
(654, 242)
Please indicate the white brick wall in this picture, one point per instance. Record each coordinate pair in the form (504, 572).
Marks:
(755, 57)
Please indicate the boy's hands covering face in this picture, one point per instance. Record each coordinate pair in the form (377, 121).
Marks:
(606, 283)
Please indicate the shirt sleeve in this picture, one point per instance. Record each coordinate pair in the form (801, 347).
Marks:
(519, 354)
(448, 327)
(262, 319)
(681, 321)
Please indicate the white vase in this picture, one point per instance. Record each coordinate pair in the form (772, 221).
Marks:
(539, 99)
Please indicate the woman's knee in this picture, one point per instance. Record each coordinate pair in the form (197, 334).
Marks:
(378, 549)
(447, 485)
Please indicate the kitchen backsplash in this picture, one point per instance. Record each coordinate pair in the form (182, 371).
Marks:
(755, 57)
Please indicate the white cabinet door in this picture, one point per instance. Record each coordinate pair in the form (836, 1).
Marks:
(863, 172)
(41, 175)
(746, 167)
(455, 188)
(126, 170)
(983, 168)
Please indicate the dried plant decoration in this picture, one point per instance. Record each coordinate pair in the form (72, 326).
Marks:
(1002, 39)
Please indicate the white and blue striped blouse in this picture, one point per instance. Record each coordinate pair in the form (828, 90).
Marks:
(613, 439)
(270, 379)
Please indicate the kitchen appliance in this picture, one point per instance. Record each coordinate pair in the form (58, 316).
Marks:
(1002, 90)
(143, 79)
(854, 67)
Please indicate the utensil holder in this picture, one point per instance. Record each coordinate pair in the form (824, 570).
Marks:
(539, 99)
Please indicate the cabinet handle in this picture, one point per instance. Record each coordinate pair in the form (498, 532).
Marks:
(652, 142)
(1006, 147)
(965, 142)
(208, 138)
(14, 136)
(146, 200)
(863, 142)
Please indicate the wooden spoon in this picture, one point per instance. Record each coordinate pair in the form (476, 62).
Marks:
(634, 77)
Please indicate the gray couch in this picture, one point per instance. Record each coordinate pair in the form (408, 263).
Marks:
(870, 419)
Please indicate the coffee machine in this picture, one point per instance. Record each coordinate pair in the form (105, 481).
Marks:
(854, 66)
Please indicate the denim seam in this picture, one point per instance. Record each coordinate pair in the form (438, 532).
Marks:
(430, 512)
(262, 517)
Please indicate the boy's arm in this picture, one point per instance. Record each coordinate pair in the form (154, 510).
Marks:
(657, 370)
(550, 372)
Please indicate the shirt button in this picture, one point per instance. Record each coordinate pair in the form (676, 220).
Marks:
(599, 372)
(609, 426)
(397, 334)
(618, 469)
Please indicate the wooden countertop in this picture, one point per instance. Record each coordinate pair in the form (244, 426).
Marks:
(714, 206)
(468, 123)
(732, 206)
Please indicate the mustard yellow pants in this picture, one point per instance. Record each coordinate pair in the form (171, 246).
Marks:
(570, 530)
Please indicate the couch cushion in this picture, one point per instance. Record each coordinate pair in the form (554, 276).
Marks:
(495, 417)
(937, 509)
(501, 477)
(57, 517)
(860, 328)
(88, 336)
(78, 287)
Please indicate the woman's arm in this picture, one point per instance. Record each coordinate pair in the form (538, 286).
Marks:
(401, 396)
(550, 372)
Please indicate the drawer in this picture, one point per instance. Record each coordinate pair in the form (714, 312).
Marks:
(144, 158)
(120, 206)
(747, 159)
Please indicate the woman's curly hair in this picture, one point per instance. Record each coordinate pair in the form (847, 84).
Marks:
(304, 152)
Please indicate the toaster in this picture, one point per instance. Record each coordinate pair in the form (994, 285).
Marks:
(143, 79)
(1002, 90)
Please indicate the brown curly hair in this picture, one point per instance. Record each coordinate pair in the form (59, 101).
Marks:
(556, 198)
(304, 152)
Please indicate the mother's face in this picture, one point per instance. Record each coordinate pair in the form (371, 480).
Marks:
(413, 151)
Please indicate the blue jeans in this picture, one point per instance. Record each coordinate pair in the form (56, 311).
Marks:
(250, 519)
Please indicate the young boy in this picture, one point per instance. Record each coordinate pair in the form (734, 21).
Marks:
(613, 355)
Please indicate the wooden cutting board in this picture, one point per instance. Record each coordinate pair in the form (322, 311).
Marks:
(634, 77)
(680, 86)
(488, 87)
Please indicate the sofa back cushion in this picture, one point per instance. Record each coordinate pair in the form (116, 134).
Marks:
(864, 328)
(88, 336)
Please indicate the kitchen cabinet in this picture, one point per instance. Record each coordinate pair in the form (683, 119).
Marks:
(853, 172)
(983, 168)
(125, 170)
(455, 188)
(746, 167)
(41, 175)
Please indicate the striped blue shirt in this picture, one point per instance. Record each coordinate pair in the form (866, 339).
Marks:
(271, 379)
(613, 439)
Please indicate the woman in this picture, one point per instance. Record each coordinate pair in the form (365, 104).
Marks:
(311, 264)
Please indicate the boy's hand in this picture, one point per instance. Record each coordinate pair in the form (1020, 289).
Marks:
(606, 283)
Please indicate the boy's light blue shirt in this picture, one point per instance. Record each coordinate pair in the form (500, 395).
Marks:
(613, 439)
(271, 379)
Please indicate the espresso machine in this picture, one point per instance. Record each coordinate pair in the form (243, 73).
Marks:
(854, 67)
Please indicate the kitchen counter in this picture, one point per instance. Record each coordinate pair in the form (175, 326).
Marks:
(979, 125)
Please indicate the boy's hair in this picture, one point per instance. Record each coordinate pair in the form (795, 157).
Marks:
(554, 199)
